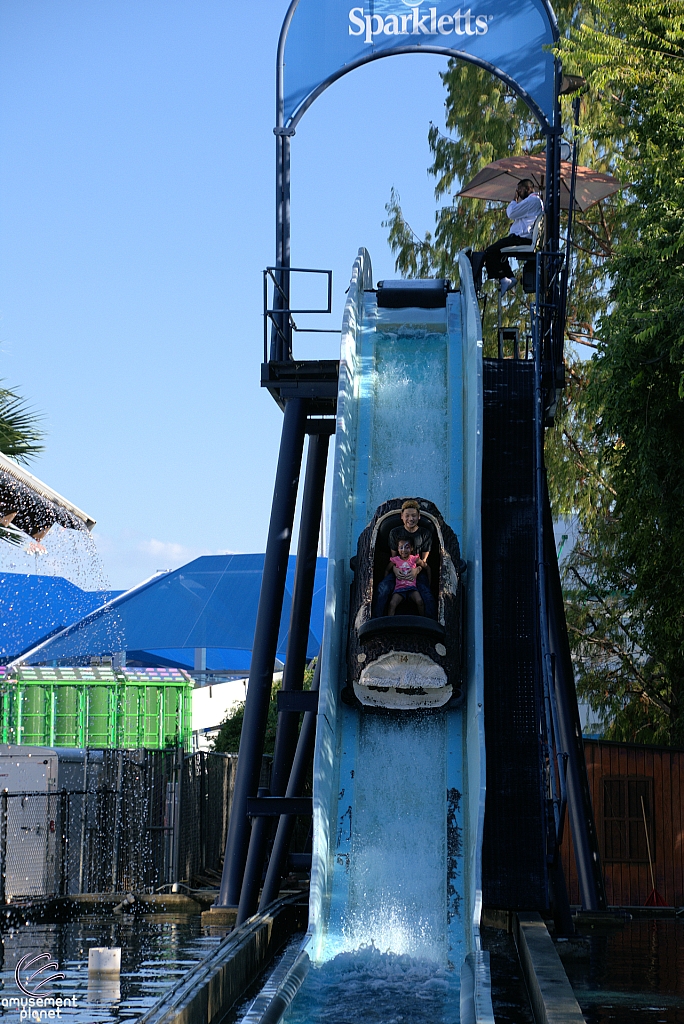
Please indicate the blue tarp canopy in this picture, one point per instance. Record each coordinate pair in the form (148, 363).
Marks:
(210, 603)
(32, 608)
(218, 659)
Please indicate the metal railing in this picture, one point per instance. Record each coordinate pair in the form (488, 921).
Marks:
(280, 316)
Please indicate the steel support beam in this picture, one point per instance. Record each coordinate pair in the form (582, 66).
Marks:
(267, 806)
(286, 824)
(295, 660)
(298, 700)
(302, 599)
(584, 837)
(552, 205)
(281, 343)
(264, 649)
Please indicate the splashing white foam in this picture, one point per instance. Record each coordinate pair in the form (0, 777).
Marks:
(370, 987)
(71, 554)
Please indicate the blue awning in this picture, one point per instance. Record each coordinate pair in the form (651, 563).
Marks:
(33, 608)
(210, 603)
(218, 659)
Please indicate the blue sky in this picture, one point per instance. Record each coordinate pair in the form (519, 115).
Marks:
(136, 216)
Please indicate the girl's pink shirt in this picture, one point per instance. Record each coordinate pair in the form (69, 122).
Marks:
(406, 564)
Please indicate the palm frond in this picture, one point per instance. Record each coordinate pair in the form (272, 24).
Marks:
(20, 434)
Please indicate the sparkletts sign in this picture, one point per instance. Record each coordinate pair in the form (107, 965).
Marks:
(327, 38)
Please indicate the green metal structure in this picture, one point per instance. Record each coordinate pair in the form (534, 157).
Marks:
(97, 707)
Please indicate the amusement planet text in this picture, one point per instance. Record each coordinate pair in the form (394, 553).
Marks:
(37, 1008)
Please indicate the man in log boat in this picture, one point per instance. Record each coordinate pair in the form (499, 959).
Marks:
(420, 535)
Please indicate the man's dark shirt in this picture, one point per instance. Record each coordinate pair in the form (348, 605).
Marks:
(421, 539)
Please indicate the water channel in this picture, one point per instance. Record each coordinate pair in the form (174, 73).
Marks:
(156, 950)
(630, 975)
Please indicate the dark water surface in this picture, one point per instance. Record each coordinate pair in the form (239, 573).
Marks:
(509, 994)
(630, 975)
(156, 950)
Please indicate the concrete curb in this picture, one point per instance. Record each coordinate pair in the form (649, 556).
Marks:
(209, 990)
(551, 996)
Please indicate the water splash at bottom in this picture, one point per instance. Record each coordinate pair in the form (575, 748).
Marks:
(377, 988)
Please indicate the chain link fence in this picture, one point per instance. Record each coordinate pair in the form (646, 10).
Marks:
(206, 796)
(146, 819)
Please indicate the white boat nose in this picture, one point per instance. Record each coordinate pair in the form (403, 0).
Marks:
(403, 681)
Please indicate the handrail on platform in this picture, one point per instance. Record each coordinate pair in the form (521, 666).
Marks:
(281, 327)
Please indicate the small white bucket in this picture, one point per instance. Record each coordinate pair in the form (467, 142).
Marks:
(104, 960)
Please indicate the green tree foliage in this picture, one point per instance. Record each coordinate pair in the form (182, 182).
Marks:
(626, 577)
(486, 121)
(228, 739)
(579, 483)
(20, 435)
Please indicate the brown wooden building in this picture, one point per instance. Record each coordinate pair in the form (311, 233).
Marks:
(636, 790)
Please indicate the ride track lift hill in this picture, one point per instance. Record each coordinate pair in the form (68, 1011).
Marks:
(434, 812)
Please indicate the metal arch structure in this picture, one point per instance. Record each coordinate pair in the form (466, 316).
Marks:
(441, 51)
(288, 116)
(526, 66)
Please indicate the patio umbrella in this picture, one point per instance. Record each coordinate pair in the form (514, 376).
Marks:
(499, 180)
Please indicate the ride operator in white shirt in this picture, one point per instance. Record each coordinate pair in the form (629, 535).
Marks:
(523, 212)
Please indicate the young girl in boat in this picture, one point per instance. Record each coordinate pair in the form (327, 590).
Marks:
(405, 566)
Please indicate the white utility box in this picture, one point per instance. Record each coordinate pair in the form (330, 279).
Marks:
(28, 775)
